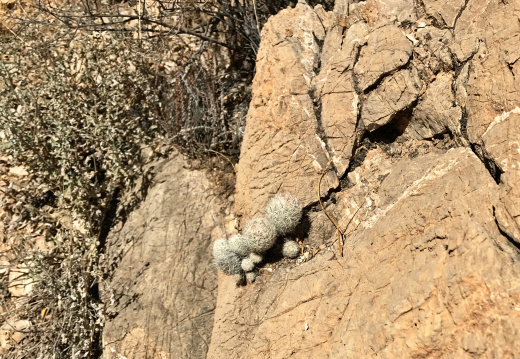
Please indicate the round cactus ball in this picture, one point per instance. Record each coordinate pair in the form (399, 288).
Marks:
(284, 212)
(256, 258)
(260, 234)
(251, 276)
(239, 244)
(239, 278)
(227, 261)
(291, 249)
(220, 246)
(247, 264)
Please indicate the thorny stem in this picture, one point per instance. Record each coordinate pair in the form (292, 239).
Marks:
(340, 233)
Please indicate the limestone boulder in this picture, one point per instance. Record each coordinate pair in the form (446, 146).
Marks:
(387, 49)
(502, 143)
(395, 94)
(162, 291)
(444, 12)
(417, 119)
(335, 89)
(486, 39)
(411, 281)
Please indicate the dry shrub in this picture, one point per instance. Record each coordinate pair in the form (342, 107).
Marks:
(84, 94)
(80, 110)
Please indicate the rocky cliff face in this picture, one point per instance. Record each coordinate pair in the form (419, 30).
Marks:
(416, 108)
(409, 112)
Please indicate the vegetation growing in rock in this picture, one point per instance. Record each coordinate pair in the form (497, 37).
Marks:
(239, 244)
(247, 264)
(256, 258)
(259, 236)
(284, 212)
(87, 99)
(291, 249)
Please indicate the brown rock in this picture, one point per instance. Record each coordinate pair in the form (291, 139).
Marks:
(282, 150)
(339, 100)
(486, 38)
(2, 227)
(443, 11)
(502, 143)
(18, 171)
(4, 265)
(163, 291)
(432, 54)
(5, 336)
(502, 140)
(20, 281)
(396, 93)
(436, 111)
(400, 10)
(411, 281)
(387, 49)
(18, 337)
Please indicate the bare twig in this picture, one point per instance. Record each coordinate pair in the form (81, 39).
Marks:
(340, 233)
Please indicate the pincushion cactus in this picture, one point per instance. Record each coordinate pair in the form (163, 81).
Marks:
(256, 258)
(284, 212)
(240, 255)
(239, 278)
(220, 246)
(291, 249)
(261, 235)
(239, 244)
(227, 261)
(251, 276)
(247, 264)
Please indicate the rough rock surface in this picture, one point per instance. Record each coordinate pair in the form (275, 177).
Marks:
(395, 94)
(284, 132)
(387, 49)
(335, 87)
(162, 294)
(417, 108)
(502, 142)
(436, 112)
(411, 113)
(411, 284)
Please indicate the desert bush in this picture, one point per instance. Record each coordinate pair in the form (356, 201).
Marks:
(79, 117)
(83, 94)
(77, 109)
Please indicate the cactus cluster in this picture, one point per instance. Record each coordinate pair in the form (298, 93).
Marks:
(240, 255)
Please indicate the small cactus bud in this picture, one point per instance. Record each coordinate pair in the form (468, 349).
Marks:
(220, 246)
(247, 265)
(260, 234)
(228, 262)
(284, 212)
(239, 278)
(251, 276)
(239, 244)
(291, 249)
(256, 258)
